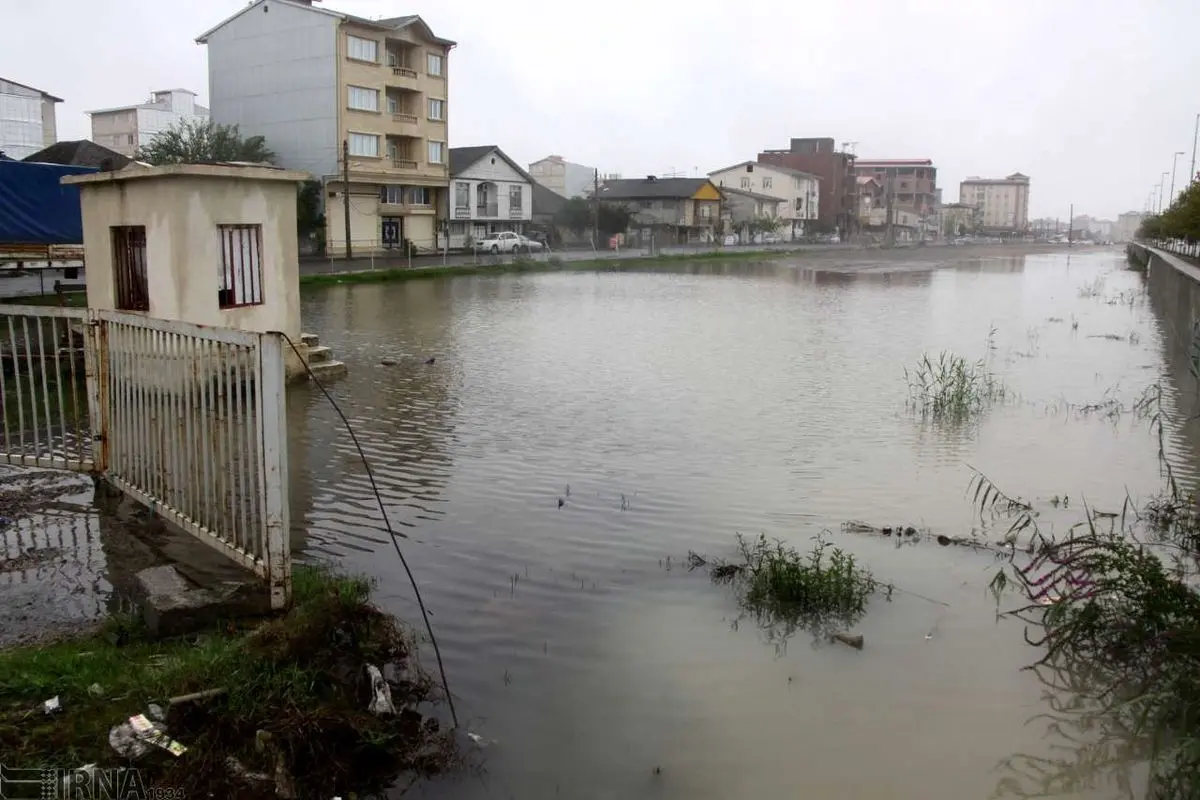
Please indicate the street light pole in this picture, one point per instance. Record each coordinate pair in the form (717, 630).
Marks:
(1195, 135)
(1174, 162)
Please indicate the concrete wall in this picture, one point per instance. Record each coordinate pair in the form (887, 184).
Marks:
(180, 214)
(273, 72)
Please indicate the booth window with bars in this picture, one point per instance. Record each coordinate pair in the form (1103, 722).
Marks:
(130, 282)
(241, 266)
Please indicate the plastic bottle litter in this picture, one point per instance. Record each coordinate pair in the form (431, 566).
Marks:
(381, 693)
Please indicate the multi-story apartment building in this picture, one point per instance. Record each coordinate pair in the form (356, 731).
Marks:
(1127, 226)
(909, 183)
(128, 128)
(837, 201)
(317, 83)
(563, 177)
(798, 192)
(27, 119)
(489, 194)
(1003, 203)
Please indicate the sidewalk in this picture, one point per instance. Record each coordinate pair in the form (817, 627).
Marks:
(331, 265)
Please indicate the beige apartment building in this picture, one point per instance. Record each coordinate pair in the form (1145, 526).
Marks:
(340, 96)
(1002, 203)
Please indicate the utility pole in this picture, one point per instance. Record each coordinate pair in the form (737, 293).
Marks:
(890, 233)
(1070, 224)
(346, 191)
(595, 208)
(1195, 136)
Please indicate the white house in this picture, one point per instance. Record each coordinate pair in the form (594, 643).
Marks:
(27, 119)
(489, 193)
(799, 191)
(127, 128)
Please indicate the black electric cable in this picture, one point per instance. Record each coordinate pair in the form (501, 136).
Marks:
(387, 523)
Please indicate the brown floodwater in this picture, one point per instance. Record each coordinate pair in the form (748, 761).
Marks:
(681, 407)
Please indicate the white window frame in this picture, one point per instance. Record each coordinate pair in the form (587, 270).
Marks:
(440, 116)
(362, 92)
(361, 137)
(360, 44)
(441, 151)
(435, 64)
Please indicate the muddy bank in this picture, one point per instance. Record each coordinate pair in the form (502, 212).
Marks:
(326, 700)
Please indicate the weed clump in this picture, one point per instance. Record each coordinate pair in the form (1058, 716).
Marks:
(785, 590)
(951, 387)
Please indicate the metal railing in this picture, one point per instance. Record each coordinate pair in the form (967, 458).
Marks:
(44, 387)
(193, 426)
(1179, 247)
(188, 420)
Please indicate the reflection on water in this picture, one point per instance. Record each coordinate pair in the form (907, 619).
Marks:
(682, 407)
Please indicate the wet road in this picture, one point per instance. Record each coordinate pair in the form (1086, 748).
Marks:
(681, 407)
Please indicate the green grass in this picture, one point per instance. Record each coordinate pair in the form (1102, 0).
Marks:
(297, 677)
(823, 591)
(32, 396)
(67, 299)
(522, 265)
(951, 387)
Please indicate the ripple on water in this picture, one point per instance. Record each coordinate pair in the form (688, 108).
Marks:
(680, 409)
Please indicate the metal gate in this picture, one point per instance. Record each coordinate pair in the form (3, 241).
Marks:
(187, 419)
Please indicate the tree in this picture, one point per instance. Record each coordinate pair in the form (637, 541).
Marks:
(576, 215)
(310, 220)
(195, 142)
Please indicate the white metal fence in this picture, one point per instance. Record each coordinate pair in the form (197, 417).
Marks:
(189, 420)
(1179, 247)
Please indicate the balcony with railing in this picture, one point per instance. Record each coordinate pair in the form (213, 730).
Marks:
(487, 210)
(404, 107)
(401, 59)
(402, 151)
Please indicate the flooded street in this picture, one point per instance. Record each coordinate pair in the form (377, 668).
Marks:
(671, 410)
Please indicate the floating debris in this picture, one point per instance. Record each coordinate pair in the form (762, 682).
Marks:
(854, 640)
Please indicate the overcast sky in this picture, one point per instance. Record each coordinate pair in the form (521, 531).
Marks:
(1089, 97)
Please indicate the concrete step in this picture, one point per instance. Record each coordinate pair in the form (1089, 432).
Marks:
(319, 354)
(310, 339)
(328, 370)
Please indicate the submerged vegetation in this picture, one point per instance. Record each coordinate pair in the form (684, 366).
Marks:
(952, 388)
(279, 710)
(1115, 610)
(785, 590)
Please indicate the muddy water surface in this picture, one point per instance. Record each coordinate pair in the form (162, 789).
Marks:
(682, 407)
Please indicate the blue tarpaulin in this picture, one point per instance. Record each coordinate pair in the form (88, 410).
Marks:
(35, 208)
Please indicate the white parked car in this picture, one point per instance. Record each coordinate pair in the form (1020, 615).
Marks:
(507, 242)
(771, 238)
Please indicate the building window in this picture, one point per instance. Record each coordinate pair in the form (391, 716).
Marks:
(129, 138)
(745, 183)
(435, 152)
(241, 266)
(462, 195)
(362, 49)
(437, 109)
(364, 144)
(766, 182)
(514, 197)
(361, 99)
(391, 194)
(420, 196)
(130, 281)
(433, 64)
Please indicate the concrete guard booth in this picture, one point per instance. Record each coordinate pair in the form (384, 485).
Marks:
(208, 244)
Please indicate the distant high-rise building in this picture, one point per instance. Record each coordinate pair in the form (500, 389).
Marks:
(127, 128)
(1127, 226)
(563, 177)
(27, 119)
(1003, 203)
